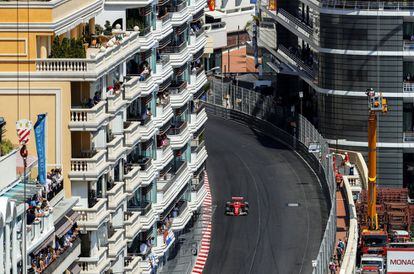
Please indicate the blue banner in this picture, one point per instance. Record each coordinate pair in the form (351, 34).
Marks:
(252, 1)
(39, 129)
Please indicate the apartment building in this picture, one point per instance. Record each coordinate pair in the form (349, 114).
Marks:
(121, 83)
(226, 28)
(339, 49)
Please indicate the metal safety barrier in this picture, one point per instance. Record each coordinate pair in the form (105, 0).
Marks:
(259, 113)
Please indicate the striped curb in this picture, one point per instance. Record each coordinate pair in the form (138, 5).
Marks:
(206, 238)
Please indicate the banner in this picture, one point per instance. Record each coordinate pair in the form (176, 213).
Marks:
(39, 129)
(253, 1)
(23, 128)
(211, 5)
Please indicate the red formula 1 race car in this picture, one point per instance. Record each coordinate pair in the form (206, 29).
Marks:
(237, 207)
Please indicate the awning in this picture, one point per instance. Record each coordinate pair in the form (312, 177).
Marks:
(215, 14)
(63, 226)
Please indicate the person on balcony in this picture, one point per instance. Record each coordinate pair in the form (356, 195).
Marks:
(144, 73)
(96, 98)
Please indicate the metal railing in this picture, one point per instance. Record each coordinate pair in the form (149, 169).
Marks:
(258, 111)
(367, 5)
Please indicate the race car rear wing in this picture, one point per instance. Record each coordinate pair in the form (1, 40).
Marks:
(237, 198)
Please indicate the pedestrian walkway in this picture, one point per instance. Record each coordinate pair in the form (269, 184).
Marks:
(341, 219)
(206, 239)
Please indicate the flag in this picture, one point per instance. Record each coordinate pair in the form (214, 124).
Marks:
(272, 4)
(39, 129)
(23, 128)
(211, 5)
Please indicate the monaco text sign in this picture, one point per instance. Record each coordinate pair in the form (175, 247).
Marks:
(400, 260)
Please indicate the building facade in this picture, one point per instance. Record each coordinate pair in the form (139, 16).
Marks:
(121, 83)
(338, 50)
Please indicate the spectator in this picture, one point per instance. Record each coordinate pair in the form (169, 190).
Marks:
(31, 216)
(96, 98)
(90, 103)
(332, 267)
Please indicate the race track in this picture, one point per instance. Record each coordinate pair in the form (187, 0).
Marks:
(274, 237)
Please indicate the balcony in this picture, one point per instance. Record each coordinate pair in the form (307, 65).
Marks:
(196, 6)
(116, 102)
(184, 214)
(198, 79)
(164, 155)
(294, 24)
(164, 111)
(164, 69)
(132, 264)
(198, 155)
(179, 94)
(180, 13)
(146, 38)
(163, 26)
(39, 230)
(92, 218)
(198, 193)
(169, 186)
(147, 171)
(197, 41)
(88, 119)
(179, 54)
(116, 196)
(64, 260)
(132, 179)
(136, 86)
(89, 167)
(138, 219)
(139, 129)
(117, 244)
(218, 33)
(96, 264)
(116, 148)
(97, 62)
(179, 135)
(292, 57)
(164, 242)
(198, 118)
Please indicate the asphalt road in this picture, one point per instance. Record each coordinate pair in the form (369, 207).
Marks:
(274, 237)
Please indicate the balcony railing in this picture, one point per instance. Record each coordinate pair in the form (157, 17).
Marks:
(87, 115)
(367, 5)
(93, 216)
(143, 208)
(97, 59)
(164, 184)
(196, 146)
(197, 184)
(70, 255)
(146, 30)
(179, 7)
(295, 20)
(178, 128)
(215, 26)
(177, 87)
(94, 264)
(175, 48)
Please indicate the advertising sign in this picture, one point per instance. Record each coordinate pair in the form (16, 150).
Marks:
(400, 261)
(39, 129)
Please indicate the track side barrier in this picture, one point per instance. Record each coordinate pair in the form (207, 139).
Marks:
(321, 164)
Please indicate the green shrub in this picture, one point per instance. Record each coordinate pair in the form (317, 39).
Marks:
(6, 147)
(68, 48)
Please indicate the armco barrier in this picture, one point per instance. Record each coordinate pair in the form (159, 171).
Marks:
(324, 173)
(349, 259)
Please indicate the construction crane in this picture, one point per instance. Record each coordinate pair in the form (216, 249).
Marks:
(373, 239)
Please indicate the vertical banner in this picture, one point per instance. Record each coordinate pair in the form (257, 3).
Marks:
(272, 4)
(39, 129)
(253, 1)
(211, 5)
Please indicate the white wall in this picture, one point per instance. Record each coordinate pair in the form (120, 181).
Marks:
(111, 15)
(233, 20)
(80, 189)
(8, 169)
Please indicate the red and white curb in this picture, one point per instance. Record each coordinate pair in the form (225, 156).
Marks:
(206, 238)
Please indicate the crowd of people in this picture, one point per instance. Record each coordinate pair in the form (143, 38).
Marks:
(47, 255)
(38, 204)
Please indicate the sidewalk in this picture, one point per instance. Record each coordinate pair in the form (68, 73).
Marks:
(341, 219)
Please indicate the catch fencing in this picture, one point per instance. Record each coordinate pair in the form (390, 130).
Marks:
(262, 113)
